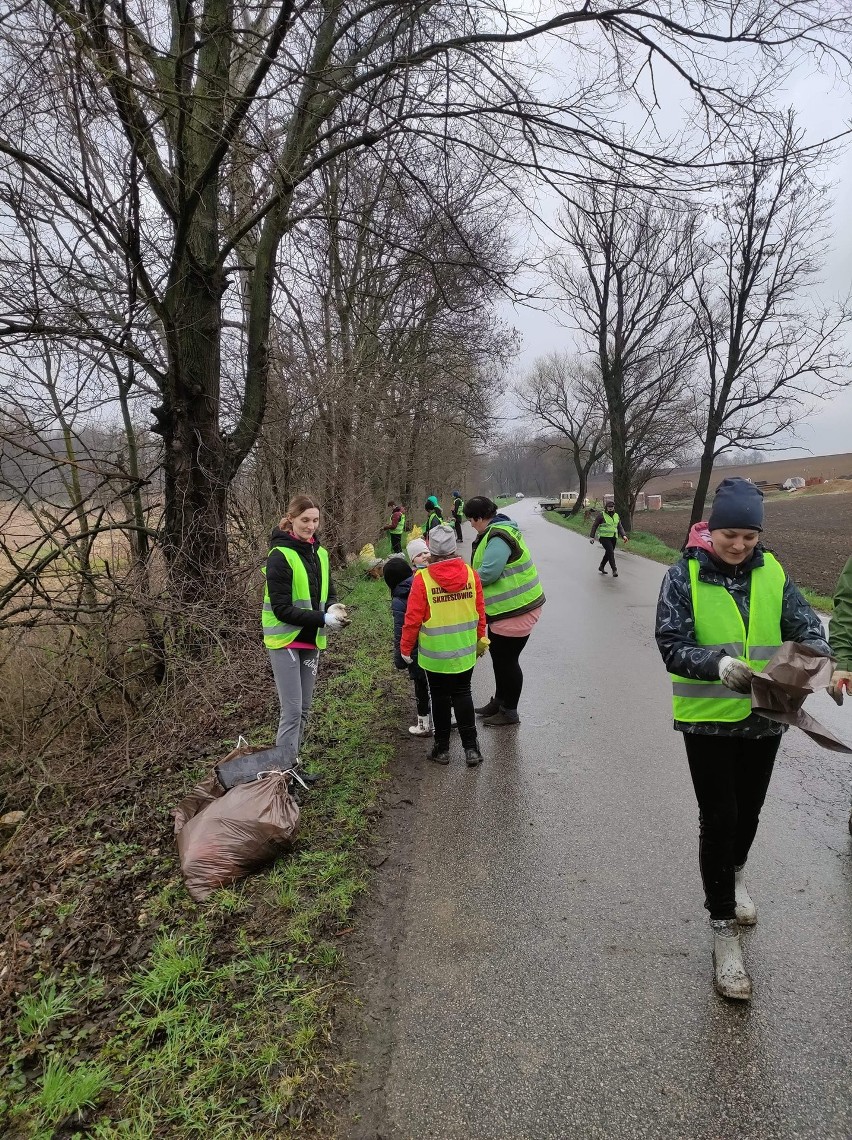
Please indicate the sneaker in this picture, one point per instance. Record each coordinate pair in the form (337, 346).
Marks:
(422, 728)
(502, 717)
(602, 571)
(472, 757)
(615, 573)
(490, 709)
(440, 753)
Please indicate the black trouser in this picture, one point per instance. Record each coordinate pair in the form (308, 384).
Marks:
(609, 554)
(421, 688)
(396, 543)
(458, 531)
(508, 677)
(451, 691)
(730, 775)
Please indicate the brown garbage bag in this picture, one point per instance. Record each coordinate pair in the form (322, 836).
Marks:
(224, 836)
(779, 691)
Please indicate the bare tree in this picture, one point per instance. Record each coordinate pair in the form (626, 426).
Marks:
(623, 272)
(186, 141)
(770, 347)
(568, 396)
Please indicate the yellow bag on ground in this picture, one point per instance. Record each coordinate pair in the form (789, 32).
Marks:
(415, 532)
(367, 551)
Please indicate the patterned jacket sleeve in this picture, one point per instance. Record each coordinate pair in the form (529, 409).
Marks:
(675, 630)
(799, 621)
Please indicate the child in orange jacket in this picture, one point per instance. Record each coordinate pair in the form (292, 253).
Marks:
(446, 612)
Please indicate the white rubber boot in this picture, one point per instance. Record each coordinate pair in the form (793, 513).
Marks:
(746, 910)
(423, 726)
(730, 976)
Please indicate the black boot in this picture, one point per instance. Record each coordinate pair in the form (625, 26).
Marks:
(490, 709)
(472, 756)
(440, 752)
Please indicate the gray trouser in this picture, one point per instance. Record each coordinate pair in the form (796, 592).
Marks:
(295, 672)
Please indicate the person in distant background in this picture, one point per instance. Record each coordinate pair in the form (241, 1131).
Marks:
(395, 526)
(434, 515)
(607, 526)
(458, 514)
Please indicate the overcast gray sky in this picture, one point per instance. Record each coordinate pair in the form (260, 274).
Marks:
(822, 108)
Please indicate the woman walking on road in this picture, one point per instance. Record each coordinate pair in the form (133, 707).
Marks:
(513, 601)
(445, 625)
(607, 526)
(299, 608)
(723, 610)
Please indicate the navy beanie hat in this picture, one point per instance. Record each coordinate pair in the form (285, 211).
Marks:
(738, 505)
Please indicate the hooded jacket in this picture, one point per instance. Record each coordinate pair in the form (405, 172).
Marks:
(451, 574)
(279, 582)
(841, 622)
(501, 549)
(675, 625)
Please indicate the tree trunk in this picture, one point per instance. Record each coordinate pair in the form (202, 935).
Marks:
(196, 462)
(705, 473)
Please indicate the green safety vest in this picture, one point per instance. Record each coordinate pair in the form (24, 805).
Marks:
(278, 634)
(518, 586)
(400, 526)
(609, 526)
(447, 639)
(458, 508)
(719, 625)
(432, 520)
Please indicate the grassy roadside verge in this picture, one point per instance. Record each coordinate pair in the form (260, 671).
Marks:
(222, 1028)
(649, 546)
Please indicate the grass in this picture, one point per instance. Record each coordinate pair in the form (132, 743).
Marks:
(223, 1031)
(649, 546)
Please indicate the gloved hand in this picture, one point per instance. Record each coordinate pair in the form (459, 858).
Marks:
(841, 681)
(339, 614)
(482, 646)
(332, 622)
(625, 540)
(735, 675)
(407, 660)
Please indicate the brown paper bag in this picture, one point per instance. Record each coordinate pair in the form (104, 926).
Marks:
(224, 836)
(778, 693)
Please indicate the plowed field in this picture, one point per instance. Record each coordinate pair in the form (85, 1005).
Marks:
(811, 534)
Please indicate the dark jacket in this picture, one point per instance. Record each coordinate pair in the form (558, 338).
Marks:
(279, 581)
(399, 600)
(675, 630)
(434, 518)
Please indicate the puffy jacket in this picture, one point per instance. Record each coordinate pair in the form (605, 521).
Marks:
(399, 602)
(675, 626)
(840, 632)
(279, 581)
(452, 576)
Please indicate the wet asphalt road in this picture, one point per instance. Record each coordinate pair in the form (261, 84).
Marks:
(553, 978)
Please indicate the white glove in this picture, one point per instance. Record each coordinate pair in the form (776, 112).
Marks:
(407, 660)
(340, 612)
(735, 675)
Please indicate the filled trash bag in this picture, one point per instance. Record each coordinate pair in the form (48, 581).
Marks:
(224, 836)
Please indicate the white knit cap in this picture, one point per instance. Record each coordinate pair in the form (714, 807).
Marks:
(442, 541)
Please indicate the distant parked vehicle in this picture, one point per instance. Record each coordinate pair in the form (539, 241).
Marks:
(519, 495)
(566, 502)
